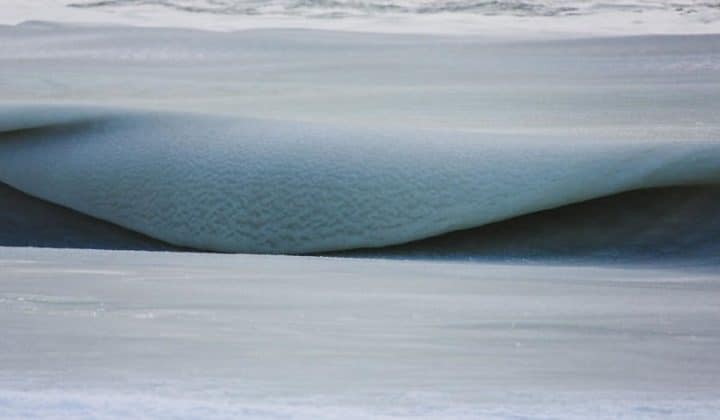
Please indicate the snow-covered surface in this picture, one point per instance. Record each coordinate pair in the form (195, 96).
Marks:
(518, 19)
(177, 335)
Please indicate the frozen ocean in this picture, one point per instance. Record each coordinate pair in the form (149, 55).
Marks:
(358, 209)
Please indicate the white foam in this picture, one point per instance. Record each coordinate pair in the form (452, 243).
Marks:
(604, 18)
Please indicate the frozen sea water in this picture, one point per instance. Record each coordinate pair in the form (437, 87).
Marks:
(116, 334)
(176, 335)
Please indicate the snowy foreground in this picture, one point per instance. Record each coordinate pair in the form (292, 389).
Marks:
(176, 335)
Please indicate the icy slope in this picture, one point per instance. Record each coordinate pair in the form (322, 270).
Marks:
(247, 185)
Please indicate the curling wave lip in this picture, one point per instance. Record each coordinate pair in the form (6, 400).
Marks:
(263, 186)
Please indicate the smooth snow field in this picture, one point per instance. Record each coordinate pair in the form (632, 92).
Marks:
(494, 210)
(113, 334)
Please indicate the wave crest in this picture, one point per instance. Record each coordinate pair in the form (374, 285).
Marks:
(246, 185)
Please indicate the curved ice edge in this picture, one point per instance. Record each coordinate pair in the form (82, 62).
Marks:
(27, 221)
(659, 226)
(249, 185)
(666, 226)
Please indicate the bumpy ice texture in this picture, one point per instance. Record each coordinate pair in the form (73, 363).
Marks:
(262, 186)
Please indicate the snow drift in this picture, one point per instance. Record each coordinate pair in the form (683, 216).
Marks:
(263, 186)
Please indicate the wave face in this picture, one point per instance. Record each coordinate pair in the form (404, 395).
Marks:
(673, 224)
(28, 221)
(653, 225)
(260, 186)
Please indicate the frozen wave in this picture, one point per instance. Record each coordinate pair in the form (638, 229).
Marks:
(674, 224)
(263, 186)
(654, 225)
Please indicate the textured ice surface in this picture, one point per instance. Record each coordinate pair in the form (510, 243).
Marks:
(245, 185)
(662, 225)
(177, 335)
